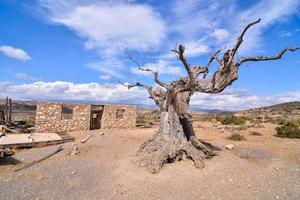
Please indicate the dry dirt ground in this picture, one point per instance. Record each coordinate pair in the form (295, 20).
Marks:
(263, 167)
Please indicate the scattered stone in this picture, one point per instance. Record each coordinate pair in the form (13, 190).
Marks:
(74, 150)
(229, 146)
(102, 133)
(86, 139)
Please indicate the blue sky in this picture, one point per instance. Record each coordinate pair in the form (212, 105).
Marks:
(74, 50)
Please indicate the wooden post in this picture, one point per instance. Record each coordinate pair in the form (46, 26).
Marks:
(6, 110)
(9, 111)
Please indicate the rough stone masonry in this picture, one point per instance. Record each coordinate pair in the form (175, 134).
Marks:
(62, 117)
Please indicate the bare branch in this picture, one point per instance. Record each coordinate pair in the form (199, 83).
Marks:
(213, 57)
(181, 57)
(155, 74)
(137, 84)
(241, 38)
(263, 58)
(132, 59)
(205, 69)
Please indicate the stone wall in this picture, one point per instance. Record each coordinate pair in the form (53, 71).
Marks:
(49, 118)
(110, 120)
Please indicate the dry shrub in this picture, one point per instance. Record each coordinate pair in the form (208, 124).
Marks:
(236, 137)
(289, 129)
(232, 120)
(255, 133)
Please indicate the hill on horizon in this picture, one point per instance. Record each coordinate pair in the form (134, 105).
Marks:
(287, 110)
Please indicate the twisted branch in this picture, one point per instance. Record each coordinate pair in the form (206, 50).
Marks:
(264, 58)
(241, 38)
(155, 74)
(182, 58)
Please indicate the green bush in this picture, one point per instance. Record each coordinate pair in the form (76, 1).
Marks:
(236, 137)
(140, 120)
(232, 120)
(255, 133)
(289, 129)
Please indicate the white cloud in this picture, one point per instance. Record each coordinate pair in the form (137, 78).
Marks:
(14, 52)
(109, 26)
(67, 91)
(110, 66)
(240, 99)
(196, 48)
(230, 99)
(161, 66)
(221, 34)
(25, 76)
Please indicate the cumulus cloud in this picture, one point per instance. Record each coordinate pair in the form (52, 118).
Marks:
(240, 99)
(26, 77)
(14, 52)
(230, 99)
(109, 26)
(68, 91)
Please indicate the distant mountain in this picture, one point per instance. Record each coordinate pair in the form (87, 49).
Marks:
(21, 106)
(289, 110)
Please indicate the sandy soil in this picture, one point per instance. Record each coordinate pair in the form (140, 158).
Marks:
(262, 167)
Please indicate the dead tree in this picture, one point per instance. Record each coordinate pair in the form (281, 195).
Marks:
(175, 138)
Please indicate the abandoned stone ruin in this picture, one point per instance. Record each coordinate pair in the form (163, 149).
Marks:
(64, 117)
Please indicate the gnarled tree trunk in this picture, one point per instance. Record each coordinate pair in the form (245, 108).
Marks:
(175, 138)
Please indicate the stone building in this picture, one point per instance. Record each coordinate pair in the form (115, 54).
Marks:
(61, 117)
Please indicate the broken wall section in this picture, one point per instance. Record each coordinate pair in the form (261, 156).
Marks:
(118, 116)
(50, 117)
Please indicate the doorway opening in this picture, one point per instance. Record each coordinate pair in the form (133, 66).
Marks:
(96, 115)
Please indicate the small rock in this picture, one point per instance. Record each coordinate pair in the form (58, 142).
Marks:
(73, 172)
(229, 146)
(74, 150)
(102, 133)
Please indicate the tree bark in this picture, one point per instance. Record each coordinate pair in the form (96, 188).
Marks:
(175, 138)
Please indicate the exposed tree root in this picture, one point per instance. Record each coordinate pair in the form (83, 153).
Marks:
(154, 153)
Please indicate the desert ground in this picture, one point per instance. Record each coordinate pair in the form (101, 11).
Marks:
(262, 167)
